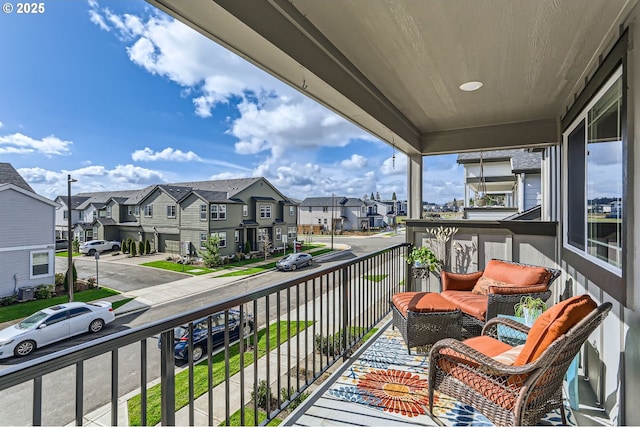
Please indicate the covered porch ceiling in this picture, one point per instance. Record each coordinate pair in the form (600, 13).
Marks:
(394, 67)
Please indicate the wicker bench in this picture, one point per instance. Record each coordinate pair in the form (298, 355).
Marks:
(424, 318)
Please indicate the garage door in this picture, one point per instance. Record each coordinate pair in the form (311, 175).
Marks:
(169, 243)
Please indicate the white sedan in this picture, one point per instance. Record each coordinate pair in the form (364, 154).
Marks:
(93, 246)
(54, 324)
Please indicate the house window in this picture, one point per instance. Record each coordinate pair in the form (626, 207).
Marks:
(245, 210)
(363, 209)
(130, 210)
(64, 214)
(265, 211)
(203, 212)
(278, 233)
(291, 232)
(237, 236)
(108, 211)
(214, 212)
(291, 211)
(319, 220)
(325, 209)
(136, 210)
(218, 212)
(148, 211)
(40, 264)
(594, 181)
(310, 208)
(325, 221)
(171, 211)
(263, 234)
(222, 236)
(203, 240)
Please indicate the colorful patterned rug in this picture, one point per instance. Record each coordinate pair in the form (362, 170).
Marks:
(388, 386)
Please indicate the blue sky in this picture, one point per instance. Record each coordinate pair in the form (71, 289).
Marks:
(121, 96)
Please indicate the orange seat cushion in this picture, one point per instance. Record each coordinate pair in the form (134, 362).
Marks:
(421, 302)
(519, 275)
(553, 323)
(459, 282)
(472, 304)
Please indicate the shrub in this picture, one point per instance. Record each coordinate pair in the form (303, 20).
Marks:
(331, 345)
(44, 291)
(141, 247)
(91, 281)
(247, 247)
(211, 253)
(286, 395)
(132, 249)
(59, 280)
(75, 245)
(264, 393)
(11, 299)
(147, 247)
(66, 277)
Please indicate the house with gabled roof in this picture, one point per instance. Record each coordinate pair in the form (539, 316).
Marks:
(26, 252)
(324, 214)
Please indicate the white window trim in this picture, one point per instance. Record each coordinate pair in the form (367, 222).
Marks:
(291, 211)
(245, 210)
(565, 178)
(278, 233)
(150, 208)
(237, 235)
(49, 253)
(221, 239)
(171, 214)
(202, 241)
(201, 212)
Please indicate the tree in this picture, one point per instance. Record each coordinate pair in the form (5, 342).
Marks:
(266, 244)
(377, 195)
(211, 252)
(247, 247)
(74, 275)
(394, 197)
(372, 196)
(147, 247)
(132, 248)
(141, 247)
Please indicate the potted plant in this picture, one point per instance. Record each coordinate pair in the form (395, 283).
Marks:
(529, 308)
(423, 257)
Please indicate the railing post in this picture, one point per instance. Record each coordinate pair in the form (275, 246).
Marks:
(167, 379)
(345, 310)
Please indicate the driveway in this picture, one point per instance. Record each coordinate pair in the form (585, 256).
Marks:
(121, 276)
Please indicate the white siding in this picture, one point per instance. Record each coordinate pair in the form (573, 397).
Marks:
(532, 190)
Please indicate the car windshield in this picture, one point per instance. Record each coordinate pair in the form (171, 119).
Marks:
(32, 320)
(287, 258)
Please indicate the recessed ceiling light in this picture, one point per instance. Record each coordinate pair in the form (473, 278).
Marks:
(470, 86)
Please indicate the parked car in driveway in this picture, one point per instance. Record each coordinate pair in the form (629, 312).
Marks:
(294, 261)
(92, 246)
(61, 244)
(236, 331)
(54, 324)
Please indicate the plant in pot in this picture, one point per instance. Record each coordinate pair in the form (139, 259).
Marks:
(423, 257)
(529, 308)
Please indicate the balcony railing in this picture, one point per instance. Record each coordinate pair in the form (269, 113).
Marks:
(317, 319)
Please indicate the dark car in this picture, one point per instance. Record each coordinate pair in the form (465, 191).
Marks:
(61, 244)
(294, 261)
(181, 334)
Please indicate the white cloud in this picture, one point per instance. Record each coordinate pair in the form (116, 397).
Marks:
(355, 162)
(1, 124)
(18, 143)
(397, 166)
(168, 154)
(97, 19)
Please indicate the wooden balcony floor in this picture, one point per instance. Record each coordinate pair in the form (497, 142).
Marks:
(383, 385)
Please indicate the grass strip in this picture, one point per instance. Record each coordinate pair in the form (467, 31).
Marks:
(24, 309)
(200, 373)
(180, 268)
(66, 254)
(376, 277)
(120, 303)
(235, 419)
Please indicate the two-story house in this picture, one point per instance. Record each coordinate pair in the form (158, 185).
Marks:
(28, 238)
(324, 214)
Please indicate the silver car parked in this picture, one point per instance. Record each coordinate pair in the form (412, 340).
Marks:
(294, 261)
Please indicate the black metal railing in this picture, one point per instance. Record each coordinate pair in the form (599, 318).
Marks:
(317, 319)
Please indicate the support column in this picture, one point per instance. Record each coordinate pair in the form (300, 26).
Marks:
(414, 206)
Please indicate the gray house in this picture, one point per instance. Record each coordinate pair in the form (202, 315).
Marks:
(26, 252)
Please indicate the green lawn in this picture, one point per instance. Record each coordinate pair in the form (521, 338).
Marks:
(24, 309)
(376, 277)
(181, 268)
(120, 303)
(65, 254)
(235, 420)
(200, 375)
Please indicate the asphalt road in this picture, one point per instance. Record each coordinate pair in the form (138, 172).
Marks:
(59, 406)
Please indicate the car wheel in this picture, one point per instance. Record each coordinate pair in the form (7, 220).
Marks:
(115, 248)
(91, 252)
(198, 352)
(96, 325)
(24, 348)
(293, 267)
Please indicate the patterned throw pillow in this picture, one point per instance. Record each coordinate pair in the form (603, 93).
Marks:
(483, 283)
(509, 356)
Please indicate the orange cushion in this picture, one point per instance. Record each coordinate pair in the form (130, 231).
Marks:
(472, 304)
(553, 323)
(421, 302)
(522, 275)
(458, 282)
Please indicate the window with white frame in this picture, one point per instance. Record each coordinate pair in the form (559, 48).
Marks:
(214, 212)
(218, 212)
(292, 211)
(265, 211)
(278, 233)
(263, 233)
(594, 181)
(237, 236)
(136, 210)
(325, 209)
(148, 211)
(108, 211)
(310, 208)
(203, 240)
(130, 210)
(222, 236)
(203, 212)
(41, 264)
(291, 232)
(64, 214)
(171, 211)
(245, 210)
(319, 220)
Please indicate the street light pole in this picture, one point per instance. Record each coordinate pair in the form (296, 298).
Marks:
(69, 240)
(332, 221)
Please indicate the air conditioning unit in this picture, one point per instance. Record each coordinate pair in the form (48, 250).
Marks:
(26, 294)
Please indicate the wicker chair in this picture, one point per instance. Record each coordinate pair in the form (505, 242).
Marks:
(509, 395)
